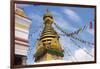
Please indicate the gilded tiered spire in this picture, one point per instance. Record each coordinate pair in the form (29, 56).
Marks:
(48, 46)
(48, 29)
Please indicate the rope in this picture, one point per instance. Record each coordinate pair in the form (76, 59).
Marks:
(30, 35)
(81, 48)
(71, 34)
(69, 55)
(89, 45)
(82, 41)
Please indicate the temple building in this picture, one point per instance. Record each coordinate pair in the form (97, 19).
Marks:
(22, 23)
(48, 46)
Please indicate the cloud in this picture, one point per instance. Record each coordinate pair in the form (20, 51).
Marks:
(68, 47)
(62, 22)
(92, 51)
(91, 31)
(72, 15)
(35, 17)
(56, 14)
(82, 56)
(76, 54)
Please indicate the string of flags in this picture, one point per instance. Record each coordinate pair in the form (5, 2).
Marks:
(74, 33)
(70, 54)
(81, 47)
(82, 41)
(30, 34)
(78, 31)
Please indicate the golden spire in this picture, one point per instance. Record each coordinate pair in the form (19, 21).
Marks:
(48, 46)
(48, 17)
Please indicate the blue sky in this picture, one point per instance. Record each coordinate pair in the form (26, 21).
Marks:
(69, 19)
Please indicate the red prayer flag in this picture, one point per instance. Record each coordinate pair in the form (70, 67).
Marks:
(90, 24)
